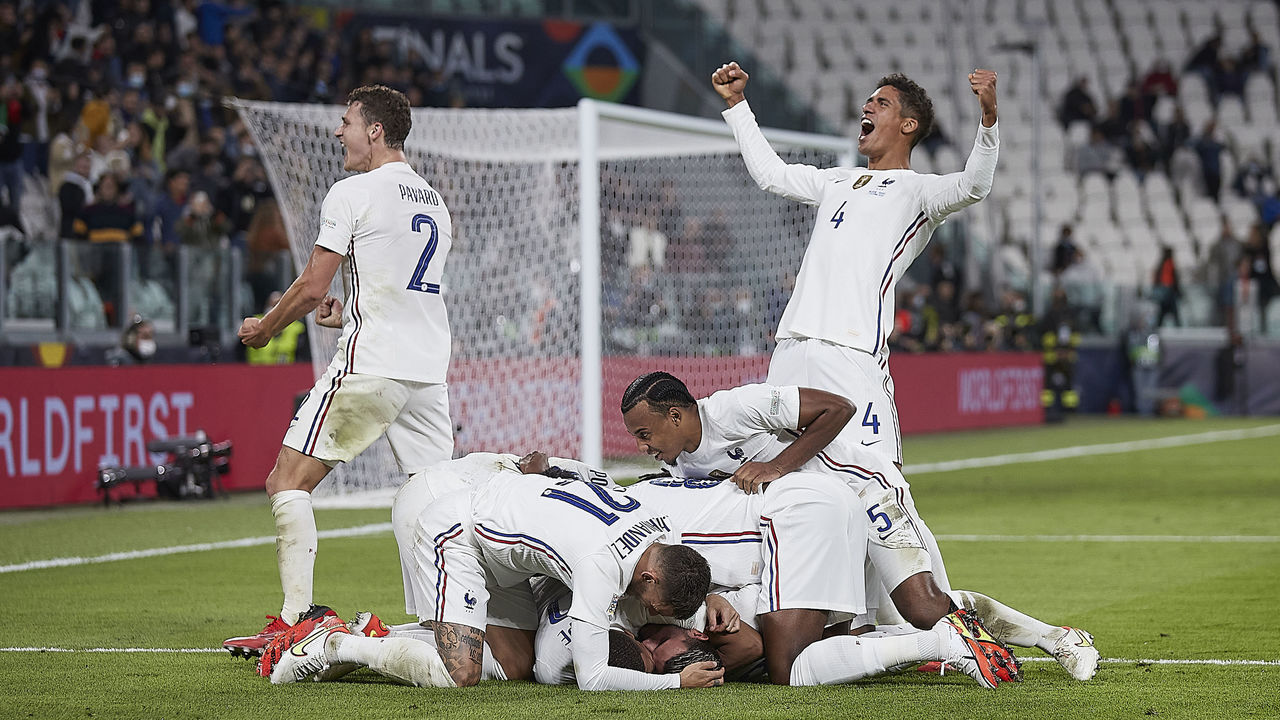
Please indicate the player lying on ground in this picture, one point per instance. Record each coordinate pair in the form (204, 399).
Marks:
(757, 434)
(475, 551)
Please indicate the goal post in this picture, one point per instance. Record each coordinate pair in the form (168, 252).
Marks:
(591, 243)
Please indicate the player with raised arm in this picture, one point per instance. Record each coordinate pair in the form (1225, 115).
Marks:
(757, 434)
(476, 549)
(389, 232)
(871, 223)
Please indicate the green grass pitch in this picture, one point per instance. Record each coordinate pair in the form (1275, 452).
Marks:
(1197, 592)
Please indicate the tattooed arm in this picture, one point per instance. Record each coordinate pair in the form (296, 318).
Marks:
(462, 650)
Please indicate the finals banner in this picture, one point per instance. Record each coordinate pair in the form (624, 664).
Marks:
(517, 64)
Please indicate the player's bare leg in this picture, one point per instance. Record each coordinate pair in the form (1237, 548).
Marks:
(512, 650)
(786, 634)
(462, 650)
(289, 486)
(920, 601)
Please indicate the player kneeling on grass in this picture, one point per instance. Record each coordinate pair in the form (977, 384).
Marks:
(477, 549)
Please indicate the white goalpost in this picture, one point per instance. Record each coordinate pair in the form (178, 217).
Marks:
(592, 244)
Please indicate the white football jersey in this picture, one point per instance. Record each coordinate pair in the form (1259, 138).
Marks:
(713, 517)
(870, 225)
(755, 423)
(584, 535)
(394, 234)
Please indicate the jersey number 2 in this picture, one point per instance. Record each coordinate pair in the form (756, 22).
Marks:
(603, 513)
(417, 282)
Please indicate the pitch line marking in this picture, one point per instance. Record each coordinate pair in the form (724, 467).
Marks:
(1115, 538)
(194, 651)
(359, 530)
(1076, 451)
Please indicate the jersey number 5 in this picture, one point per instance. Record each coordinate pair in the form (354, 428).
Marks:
(418, 282)
(604, 496)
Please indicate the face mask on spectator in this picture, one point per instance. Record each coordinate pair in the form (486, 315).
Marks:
(186, 89)
(137, 80)
(146, 348)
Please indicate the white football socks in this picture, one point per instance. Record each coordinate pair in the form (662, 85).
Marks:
(296, 542)
(846, 658)
(1007, 624)
(410, 661)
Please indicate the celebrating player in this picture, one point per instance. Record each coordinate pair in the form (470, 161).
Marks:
(477, 547)
(751, 434)
(872, 222)
(390, 232)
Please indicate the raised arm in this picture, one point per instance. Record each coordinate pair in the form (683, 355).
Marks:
(949, 193)
(798, 182)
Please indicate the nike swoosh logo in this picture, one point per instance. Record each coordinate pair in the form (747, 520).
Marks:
(873, 442)
(300, 649)
(837, 182)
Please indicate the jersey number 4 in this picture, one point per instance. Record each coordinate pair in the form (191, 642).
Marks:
(418, 281)
(607, 514)
(838, 216)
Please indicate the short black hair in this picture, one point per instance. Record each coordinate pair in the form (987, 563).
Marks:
(624, 651)
(388, 106)
(699, 651)
(915, 103)
(686, 579)
(662, 390)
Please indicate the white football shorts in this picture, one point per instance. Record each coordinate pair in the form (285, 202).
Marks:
(807, 362)
(899, 543)
(450, 582)
(815, 540)
(345, 412)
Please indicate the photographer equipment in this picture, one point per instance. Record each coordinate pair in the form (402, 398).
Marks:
(193, 470)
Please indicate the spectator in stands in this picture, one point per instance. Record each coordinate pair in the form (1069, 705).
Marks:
(1013, 328)
(1257, 252)
(1097, 156)
(1209, 149)
(1228, 79)
(1160, 81)
(75, 194)
(137, 344)
(1256, 57)
(1165, 289)
(1064, 251)
(943, 269)
(39, 98)
(1082, 282)
(108, 223)
(1174, 135)
(1139, 153)
(12, 114)
(1077, 104)
(267, 244)
(1221, 268)
(1207, 56)
(1254, 179)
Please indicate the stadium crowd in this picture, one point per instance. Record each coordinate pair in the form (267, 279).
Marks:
(115, 108)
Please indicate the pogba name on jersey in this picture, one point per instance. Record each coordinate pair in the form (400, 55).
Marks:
(632, 537)
(425, 196)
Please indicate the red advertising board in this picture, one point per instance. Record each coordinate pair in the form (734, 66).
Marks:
(57, 426)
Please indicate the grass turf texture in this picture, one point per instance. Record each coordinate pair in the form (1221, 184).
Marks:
(1162, 600)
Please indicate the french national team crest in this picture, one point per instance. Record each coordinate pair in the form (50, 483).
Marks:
(861, 181)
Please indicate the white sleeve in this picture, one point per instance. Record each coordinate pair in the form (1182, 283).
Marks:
(583, 471)
(337, 219)
(798, 182)
(946, 194)
(591, 664)
(763, 407)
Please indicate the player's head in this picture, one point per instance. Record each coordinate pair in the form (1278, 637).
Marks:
(657, 409)
(675, 582)
(673, 648)
(626, 652)
(376, 116)
(898, 115)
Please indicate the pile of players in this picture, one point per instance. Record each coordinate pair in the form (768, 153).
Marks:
(781, 540)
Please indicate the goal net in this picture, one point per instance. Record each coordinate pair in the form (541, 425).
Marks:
(591, 244)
